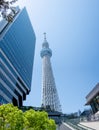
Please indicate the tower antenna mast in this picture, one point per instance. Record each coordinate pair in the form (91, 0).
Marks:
(49, 92)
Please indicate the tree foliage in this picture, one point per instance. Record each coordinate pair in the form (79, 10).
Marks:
(11, 118)
(5, 6)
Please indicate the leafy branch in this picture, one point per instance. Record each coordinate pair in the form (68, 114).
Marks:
(5, 7)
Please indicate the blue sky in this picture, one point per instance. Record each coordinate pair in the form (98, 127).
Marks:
(72, 28)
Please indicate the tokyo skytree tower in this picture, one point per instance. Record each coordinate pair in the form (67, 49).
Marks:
(49, 92)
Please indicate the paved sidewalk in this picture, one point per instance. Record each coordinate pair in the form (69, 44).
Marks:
(64, 126)
(94, 125)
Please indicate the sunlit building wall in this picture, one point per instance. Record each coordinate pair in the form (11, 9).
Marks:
(93, 99)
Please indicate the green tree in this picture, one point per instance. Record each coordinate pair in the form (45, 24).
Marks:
(38, 121)
(11, 118)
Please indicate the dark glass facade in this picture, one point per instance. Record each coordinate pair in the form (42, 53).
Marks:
(95, 103)
(17, 47)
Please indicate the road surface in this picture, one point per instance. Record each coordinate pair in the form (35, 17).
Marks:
(64, 127)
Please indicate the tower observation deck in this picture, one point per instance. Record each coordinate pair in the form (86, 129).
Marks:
(49, 92)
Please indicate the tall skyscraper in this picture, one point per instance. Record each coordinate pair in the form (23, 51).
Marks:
(49, 92)
(17, 46)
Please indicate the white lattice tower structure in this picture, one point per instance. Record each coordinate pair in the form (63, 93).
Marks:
(49, 92)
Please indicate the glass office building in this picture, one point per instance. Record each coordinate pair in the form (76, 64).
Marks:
(17, 47)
